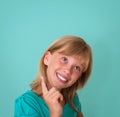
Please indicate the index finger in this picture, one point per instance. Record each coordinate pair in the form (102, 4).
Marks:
(44, 87)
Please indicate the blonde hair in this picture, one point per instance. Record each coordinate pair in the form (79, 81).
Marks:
(68, 45)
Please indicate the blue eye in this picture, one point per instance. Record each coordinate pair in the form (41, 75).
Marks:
(77, 68)
(64, 59)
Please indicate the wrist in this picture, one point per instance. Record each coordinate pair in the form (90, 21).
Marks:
(52, 114)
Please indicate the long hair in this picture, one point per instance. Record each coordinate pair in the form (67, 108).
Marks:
(68, 45)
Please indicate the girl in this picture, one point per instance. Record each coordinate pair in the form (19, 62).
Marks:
(64, 68)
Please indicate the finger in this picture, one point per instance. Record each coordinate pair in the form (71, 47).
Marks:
(52, 91)
(44, 87)
(59, 98)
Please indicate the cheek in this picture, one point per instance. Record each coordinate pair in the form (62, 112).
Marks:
(53, 65)
(56, 64)
(76, 77)
(72, 82)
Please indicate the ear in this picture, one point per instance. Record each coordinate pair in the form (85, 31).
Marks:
(47, 57)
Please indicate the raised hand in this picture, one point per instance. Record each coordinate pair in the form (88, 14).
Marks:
(53, 99)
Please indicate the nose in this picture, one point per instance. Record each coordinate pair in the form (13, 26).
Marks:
(67, 69)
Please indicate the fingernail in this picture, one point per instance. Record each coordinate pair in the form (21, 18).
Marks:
(41, 77)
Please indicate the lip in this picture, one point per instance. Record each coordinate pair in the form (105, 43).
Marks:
(61, 78)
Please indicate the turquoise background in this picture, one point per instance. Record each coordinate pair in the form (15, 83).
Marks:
(27, 28)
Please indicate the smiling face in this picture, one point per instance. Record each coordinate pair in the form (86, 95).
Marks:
(63, 71)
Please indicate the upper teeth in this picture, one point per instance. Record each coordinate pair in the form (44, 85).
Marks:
(62, 78)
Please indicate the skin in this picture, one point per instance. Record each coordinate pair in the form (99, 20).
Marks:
(62, 72)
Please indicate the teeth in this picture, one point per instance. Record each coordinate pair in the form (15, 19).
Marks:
(61, 78)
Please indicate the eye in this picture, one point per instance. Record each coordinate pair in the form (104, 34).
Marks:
(77, 68)
(64, 59)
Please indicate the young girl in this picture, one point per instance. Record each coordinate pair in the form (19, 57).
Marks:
(64, 68)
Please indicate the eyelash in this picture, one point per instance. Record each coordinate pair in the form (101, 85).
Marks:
(64, 59)
(77, 68)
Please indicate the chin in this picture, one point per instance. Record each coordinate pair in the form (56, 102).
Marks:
(58, 88)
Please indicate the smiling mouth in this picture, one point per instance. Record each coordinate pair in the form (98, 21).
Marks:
(61, 78)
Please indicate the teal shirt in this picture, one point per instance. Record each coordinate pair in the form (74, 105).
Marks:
(31, 105)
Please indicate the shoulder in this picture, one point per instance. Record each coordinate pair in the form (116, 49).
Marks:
(27, 97)
(80, 115)
(69, 111)
(76, 100)
(27, 104)
(77, 103)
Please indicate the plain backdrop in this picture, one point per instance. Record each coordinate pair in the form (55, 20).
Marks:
(28, 27)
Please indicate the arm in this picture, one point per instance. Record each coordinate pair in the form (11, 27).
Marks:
(53, 99)
(80, 115)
